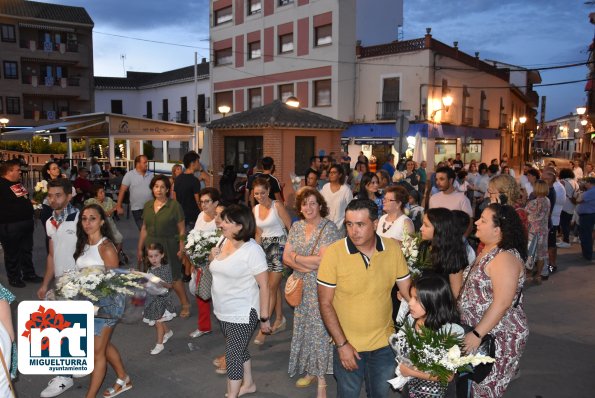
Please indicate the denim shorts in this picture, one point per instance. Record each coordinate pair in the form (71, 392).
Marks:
(110, 311)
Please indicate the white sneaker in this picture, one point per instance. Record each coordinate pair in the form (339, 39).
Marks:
(563, 245)
(158, 348)
(198, 333)
(167, 336)
(57, 386)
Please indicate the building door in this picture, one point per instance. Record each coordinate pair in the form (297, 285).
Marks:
(304, 150)
(184, 112)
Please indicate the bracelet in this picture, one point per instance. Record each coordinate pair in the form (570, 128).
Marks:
(476, 333)
(342, 344)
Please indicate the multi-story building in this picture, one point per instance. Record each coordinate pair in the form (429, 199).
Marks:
(166, 96)
(456, 102)
(264, 50)
(46, 58)
(564, 136)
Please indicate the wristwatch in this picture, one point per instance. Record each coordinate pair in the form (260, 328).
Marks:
(263, 319)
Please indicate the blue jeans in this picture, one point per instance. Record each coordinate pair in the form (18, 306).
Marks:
(138, 218)
(374, 367)
(585, 233)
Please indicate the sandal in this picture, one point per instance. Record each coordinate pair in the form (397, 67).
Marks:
(185, 312)
(280, 327)
(305, 381)
(259, 340)
(124, 385)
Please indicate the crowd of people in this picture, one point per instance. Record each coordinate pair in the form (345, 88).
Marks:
(486, 233)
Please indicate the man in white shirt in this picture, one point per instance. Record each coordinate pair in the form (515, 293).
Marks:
(448, 197)
(551, 177)
(61, 229)
(138, 181)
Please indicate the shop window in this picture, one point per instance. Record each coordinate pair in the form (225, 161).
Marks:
(223, 57)
(224, 98)
(285, 91)
(254, 7)
(254, 51)
(8, 34)
(444, 149)
(286, 43)
(222, 16)
(323, 35)
(254, 97)
(241, 151)
(472, 151)
(11, 70)
(322, 93)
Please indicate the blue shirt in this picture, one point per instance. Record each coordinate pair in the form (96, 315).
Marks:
(587, 206)
(389, 168)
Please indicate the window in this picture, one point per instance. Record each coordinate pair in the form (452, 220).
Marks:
(243, 150)
(286, 43)
(254, 97)
(224, 98)
(13, 105)
(184, 110)
(202, 108)
(165, 106)
(390, 99)
(7, 32)
(117, 107)
(223, 57)
(149, 114)
(11, 70)
(323, 35)
(285, 2)
(322, 93)
(223, 15)
(285, 91)
(254, 50)
(254, 7)
(1, 105)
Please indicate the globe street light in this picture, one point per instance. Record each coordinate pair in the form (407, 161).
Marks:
(293, 102)
(224, 109)
(523, 119)
(581, 110)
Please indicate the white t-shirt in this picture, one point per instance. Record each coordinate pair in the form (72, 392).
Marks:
(571, 188)
(138, 186)
(63, 241)
(235, 291)
(578, 172)
(452, 201)
(271, 226)
(396, 230)
(560, 200)
(337, 203)
(203, 225)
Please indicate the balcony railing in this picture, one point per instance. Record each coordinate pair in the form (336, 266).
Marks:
(387, 110)
(50, 81)
(467, 115)
(484, 118)
(47, 114)
(182, 117)
(163, 116)
(50, 46)
(503, 121)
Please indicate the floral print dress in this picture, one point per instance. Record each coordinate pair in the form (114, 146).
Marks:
(538, 214)
(510, 333)
(311, 349)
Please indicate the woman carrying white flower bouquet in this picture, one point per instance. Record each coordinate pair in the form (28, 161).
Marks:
(95, 248)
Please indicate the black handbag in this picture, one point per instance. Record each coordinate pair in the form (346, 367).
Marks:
(487, 347)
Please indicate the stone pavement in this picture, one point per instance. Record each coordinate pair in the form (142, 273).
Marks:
(559, 360)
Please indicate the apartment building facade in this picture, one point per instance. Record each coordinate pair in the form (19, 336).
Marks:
(411, 78)
(46, 58)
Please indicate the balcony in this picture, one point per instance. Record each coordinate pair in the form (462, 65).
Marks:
(33, 45)
(182, 117)
(484, 118)
(503, 123)
(37, 115)
(467, 116)
(533, 99)
(387, 110)
(163, 116)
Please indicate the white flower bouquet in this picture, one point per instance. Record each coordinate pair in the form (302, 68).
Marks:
(199, 245)
(416, 254)
(39, 193)
(296, 181)
(95, 283)
(437, 353)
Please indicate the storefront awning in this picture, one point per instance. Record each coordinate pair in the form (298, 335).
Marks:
(28, 133)
(381, 132)
(450, 131)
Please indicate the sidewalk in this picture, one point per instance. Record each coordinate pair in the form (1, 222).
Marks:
(558, 362)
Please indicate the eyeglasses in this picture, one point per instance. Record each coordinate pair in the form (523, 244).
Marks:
(206, 202)
(333, 172)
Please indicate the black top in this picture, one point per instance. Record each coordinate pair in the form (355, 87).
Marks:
(16, 205)
(457, 164)
(275, 187)
(186, 186)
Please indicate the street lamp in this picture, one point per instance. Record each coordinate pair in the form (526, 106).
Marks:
(224, 109)
(523, 120)
(581, 110)
(293, 102)
(3, 123)
(447, 101)
(584, 122)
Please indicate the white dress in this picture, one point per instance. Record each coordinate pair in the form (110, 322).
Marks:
(337, 203)
(394, 230)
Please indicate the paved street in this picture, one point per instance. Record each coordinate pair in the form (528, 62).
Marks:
(559, 360)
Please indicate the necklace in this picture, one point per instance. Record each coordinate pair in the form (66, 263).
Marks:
(385, 228)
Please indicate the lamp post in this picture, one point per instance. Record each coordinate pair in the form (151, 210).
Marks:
(523, 120)
(224, 109)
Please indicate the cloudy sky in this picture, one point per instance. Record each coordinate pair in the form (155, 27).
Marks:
(529, 33)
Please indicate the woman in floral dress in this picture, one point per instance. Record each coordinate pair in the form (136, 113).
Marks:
(311, 350)
(538, 214)
(491, 298)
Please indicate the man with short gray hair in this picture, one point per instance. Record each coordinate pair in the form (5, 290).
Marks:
(137, 180)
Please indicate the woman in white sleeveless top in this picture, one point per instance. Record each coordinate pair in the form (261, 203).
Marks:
(272, 222)
(395, 224)
(95, 248)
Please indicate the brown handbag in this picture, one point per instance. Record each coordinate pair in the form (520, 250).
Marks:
(294, 286)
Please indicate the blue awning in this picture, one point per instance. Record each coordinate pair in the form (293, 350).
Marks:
(381, 132)
(450, 131)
